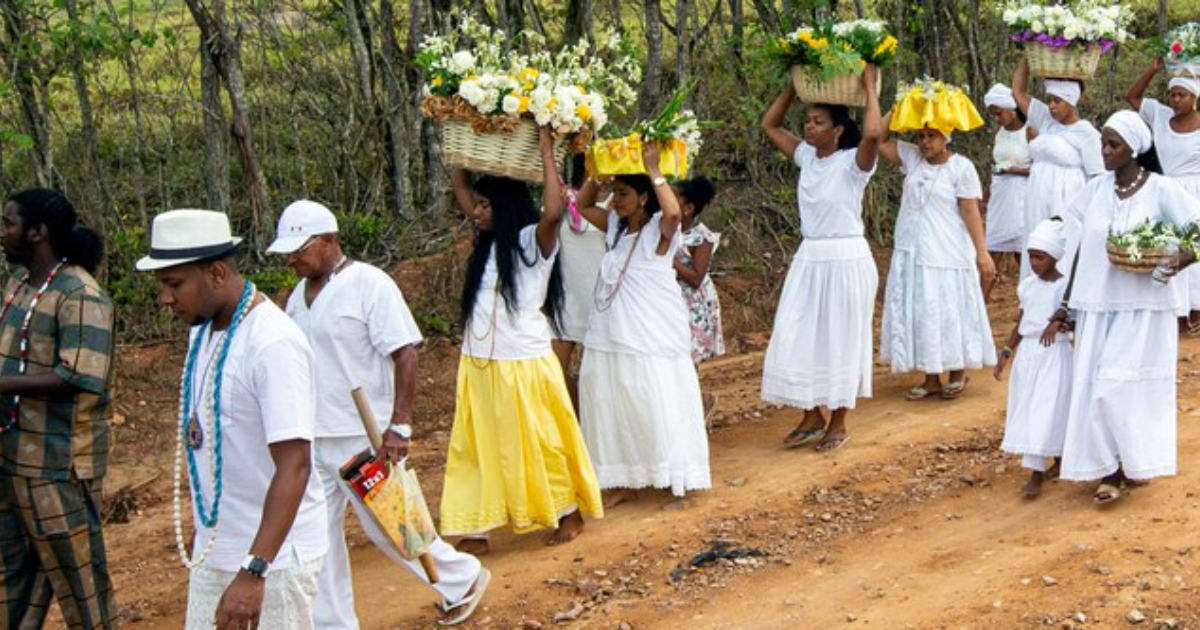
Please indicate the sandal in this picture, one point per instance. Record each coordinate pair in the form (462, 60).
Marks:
(955, 389)
(831, 444)
(469, 603)
(800, 437)
(920, 393)
(1106, 493)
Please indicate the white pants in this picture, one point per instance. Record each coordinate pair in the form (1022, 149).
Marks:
(287, 600)
(334, 606)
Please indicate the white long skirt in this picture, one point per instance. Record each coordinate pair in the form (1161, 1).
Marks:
(643, 421)
(1039, 398)
(934, 319)
(820, 350)
(1123, 396)
(1006, 214)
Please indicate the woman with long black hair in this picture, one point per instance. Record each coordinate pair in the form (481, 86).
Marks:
(516, 455)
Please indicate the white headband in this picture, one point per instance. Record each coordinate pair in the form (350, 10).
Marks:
(1050, 237)
(1188, 83)
(1132, 129)
(999, 96)
(1069, 91)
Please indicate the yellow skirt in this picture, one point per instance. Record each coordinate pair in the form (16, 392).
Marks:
(517, 455)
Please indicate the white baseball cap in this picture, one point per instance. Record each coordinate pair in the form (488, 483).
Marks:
(301, 221)
(183, 236)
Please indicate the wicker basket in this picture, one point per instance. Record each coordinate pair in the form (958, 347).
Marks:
(1147, 260)
(844, 89)
(1072, 62)
(517, 155)
(1189, 69)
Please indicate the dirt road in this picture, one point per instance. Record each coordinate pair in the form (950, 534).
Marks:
(917, 523)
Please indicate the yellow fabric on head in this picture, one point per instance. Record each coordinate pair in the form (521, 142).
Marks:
(948, 111)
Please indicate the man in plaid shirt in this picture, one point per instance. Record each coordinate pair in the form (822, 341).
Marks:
(56, 372)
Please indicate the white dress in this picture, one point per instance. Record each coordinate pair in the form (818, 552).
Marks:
(1126, 345)
(639, 395)
(1039, 385)
(1179, 154)
(1064, 158)
(820, 349)
(934, 316)
(579, 259)
(1006, 207)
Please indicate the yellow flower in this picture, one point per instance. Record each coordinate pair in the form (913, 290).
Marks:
(582, 90)
(820, 43)
(583, 112)
(862, 63)
(887, 45)
(550, 104)
(529, 74)
(524, 106)
(437, 81)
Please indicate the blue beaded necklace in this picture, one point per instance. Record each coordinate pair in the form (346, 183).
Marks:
(209, 517)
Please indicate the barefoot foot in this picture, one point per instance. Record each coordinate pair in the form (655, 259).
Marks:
(474, 546)
(569, 527)
(613, 498)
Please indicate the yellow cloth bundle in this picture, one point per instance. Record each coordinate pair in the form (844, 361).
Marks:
(623, 156)
(936, 105)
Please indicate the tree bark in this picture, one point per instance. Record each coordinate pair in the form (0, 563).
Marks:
(396, 115)
(358, 50)
(652, 80)
(216, 147)
(87, 120)
(579, 21)
(24, 66)
(225, 52)
(683, 42)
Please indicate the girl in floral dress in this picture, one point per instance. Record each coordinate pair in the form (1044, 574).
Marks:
(692, 264)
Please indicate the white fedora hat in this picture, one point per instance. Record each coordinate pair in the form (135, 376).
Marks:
(300, 221)
(183, 236)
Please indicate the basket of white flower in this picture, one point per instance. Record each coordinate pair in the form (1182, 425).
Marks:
(842, 89)
(514, 153)
(1148, 245)
(1062, 41)
(1062, 63)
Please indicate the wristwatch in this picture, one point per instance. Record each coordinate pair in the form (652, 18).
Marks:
(659, 181)
(403, 430)
(256, 566)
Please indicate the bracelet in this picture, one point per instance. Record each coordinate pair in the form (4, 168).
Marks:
(1006, 352)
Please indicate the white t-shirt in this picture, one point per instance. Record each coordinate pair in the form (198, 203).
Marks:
(495, 331)
(640, 308)
(1179, 153)
(1039, 299)
(354, 325)
(1011, 148)
(930, 222)
(830, 192)
(1081, 135)
(1100, 287)
(266, 397)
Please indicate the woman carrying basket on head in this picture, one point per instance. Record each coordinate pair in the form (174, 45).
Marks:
(820, 349)
(516, 455)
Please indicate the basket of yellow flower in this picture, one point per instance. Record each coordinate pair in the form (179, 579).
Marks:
(826, 61)
(675, 130)
(512, 152)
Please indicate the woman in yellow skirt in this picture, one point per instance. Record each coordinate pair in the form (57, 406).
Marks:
(517, 457)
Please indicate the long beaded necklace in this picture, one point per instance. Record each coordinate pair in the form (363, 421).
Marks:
(23, 353)
(490, 332)
(604, 302)
(186, 434)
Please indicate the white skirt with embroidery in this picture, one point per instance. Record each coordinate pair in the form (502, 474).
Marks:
(1039, 398)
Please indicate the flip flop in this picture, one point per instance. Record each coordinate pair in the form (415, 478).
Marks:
(920, 393)
(829, 445)
(469, 603)
(800, 437)
(1106, 493)
(955, 389)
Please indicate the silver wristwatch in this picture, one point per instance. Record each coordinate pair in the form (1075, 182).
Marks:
(405, 431)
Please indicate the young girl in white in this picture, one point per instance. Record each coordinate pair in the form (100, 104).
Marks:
(1039, 392)
(692, 263)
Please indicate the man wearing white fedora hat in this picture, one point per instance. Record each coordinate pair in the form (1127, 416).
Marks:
(362, 335)
(245, 431)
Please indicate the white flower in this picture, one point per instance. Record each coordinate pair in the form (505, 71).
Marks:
(472, 93)
(462, 62)
(512, 105)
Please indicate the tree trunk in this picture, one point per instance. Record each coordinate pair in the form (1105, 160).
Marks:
(358, 50)
(216, 147)
(87, 120)
(225, 51)
(23, 66)
(1162, 18)
(652, 80)
(579, 21)
(395, 119)
(738, 23)
(139, 173)
(683, 43)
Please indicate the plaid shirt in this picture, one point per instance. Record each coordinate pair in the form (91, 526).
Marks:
(71, 335)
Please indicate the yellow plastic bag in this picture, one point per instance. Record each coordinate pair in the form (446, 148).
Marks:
(393, 496)
(623, 156)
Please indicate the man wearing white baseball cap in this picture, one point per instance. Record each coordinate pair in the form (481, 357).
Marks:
(246, 427)
(362, 335)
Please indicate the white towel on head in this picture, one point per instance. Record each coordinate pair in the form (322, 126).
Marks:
(1069, 91)
(1132, 129)
(1000, 95)
(1049, 236)
(1190, 84)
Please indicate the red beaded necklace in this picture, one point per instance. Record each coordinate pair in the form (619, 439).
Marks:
(14, 414)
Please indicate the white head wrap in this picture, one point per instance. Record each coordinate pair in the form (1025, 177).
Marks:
(1069, 91)
(1132, 129)
(1049, 236)
(1188, 83)
(999, 96)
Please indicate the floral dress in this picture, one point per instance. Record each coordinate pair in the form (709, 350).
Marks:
(703, 305)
